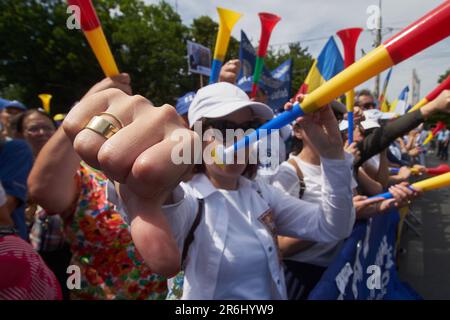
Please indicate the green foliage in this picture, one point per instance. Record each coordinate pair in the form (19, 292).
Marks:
(444, 76)
(41, 55)
(440, 117)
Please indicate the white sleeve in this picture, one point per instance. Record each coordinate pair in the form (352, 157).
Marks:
(2, 195)
(328, 221)
(286, 180)
(181, 214)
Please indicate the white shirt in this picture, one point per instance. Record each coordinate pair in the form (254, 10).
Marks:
(374, 162)
(286, 179)
(270, 212)
(241, 235)
(446, 135)
(395, 150)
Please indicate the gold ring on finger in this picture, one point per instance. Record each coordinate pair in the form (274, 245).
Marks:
(102, 126)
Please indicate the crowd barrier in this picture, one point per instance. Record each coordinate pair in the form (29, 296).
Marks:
(366, 269)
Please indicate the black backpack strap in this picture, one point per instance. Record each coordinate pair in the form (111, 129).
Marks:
(300, 177)
(190, 236)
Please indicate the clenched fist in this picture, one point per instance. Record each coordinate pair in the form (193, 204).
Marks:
(138, 158)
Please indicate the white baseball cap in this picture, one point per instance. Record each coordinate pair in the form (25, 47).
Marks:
(343, 125)
(388, 115)
(373, 114)
(369, 124)
(220, 99)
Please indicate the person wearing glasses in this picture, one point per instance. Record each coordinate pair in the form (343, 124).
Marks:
(365, 100)
(36, 127)
(220, 226)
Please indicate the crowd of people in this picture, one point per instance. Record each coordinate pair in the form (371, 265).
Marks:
(101, 194)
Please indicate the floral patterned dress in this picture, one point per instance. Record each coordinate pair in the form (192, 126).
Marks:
(111, 267)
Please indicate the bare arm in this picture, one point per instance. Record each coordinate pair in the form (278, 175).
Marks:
(290, 246)
(369, 186)
(383, 170)
(52, 181)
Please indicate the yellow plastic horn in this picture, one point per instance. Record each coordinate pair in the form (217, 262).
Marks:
(227, 20)
(59, 117)
(45, 98)
(440, 181)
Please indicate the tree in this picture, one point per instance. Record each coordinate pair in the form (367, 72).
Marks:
(444, 76)
(149, 42)
(38, 54)
(41, 55)
(301, 60)
(441, 117)
(204, 31)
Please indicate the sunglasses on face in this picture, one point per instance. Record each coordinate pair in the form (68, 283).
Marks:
(368, 105)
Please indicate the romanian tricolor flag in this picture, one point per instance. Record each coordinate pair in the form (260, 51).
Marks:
(384, 106)
(400, 104)
(326, 66)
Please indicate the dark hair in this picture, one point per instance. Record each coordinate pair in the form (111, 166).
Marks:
(18, 121)
(365, 92)
(296, 143)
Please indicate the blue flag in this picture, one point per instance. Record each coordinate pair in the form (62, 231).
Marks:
(276, 84)
(365, 268)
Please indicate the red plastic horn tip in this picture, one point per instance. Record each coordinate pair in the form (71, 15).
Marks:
(254, 89)
(428, 30)
(268, 22)
(439, 126)
(89, 19)
(349, 38)
(349, 32)
(270, 17)
(445, 85)
(441, 169)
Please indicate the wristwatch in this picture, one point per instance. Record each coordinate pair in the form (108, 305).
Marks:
(8, 231)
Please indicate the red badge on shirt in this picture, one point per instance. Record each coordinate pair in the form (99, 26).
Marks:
(267, 220)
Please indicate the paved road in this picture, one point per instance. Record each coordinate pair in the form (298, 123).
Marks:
(425, 262)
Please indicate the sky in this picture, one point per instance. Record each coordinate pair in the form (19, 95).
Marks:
(312, 21)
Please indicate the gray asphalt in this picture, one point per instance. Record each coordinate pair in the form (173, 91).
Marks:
(424, 259)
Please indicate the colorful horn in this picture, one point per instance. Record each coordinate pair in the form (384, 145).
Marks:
(93, 31)
(349, 37)
(437, 182)
(59, 117)
(428, 30)
(45, 98)
(268, 22)
(439, 126)
(227, 21)
(440, 169)
(445, 85)
(413, 170)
